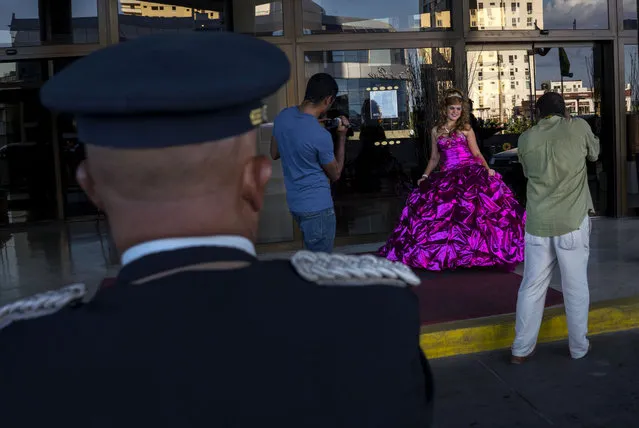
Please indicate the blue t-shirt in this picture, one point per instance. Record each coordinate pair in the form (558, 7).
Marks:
(304, 146)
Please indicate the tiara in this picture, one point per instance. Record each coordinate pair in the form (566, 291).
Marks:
(455, 95)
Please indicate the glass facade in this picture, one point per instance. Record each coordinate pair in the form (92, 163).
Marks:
(379, 16)
(27, 177)
(629, 15)
(257, 17)
(390, 97)
(48, 22)
(276, 222)
(391, 60)
(504, 85)
(631, 119)
(539, 15)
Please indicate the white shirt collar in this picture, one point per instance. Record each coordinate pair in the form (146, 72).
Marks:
(161, 245)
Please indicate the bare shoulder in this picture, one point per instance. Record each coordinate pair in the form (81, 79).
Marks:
(352, 271)
(467, 128)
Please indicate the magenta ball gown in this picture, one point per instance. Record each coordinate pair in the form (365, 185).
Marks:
(459, 217)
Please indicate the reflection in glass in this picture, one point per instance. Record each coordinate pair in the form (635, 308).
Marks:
(631, 92)
(390, 97)
(504, 86)
(27, 185)
(34, 22)
(631, 61)
(339, 16)
(276, 223)
(576, 73)
(257, 17)
(502, 93)
(71, 152)
(500, 83)
(630, 14)
(579, 83)
(539, 14)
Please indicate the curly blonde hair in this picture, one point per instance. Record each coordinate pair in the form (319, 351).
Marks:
(454, 97)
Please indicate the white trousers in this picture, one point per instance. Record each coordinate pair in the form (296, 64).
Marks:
(542, 255)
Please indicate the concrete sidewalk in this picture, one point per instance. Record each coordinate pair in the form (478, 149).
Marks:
(551, 390)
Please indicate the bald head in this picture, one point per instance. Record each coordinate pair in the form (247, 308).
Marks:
(174, 173)
(194, 190)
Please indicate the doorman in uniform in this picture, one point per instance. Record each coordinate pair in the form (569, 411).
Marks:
(197, 332)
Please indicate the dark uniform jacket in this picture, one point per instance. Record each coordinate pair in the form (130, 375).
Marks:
(212, 337)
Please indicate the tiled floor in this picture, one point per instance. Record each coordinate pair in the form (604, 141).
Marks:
(41, 258)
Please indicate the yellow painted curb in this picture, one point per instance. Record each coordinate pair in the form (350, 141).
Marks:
(498, 332)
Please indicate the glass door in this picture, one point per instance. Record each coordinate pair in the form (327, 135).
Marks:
(390, 97)
(502, 91)
(71, 152)
(631, 120)
(577, 72)
(504, 85)
(27, 171)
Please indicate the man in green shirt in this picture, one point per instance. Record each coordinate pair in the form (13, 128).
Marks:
(553, 156)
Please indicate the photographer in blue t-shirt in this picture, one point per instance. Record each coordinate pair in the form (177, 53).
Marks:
(310, 160)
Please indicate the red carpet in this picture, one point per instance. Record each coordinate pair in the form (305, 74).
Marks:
(462, 295)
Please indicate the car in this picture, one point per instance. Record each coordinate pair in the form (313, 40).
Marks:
(507, 164)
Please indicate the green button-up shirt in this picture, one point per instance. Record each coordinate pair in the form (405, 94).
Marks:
(553, 155)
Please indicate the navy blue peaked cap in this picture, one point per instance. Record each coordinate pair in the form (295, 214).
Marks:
(169, 89)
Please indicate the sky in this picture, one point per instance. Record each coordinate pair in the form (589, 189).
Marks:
(547, 67)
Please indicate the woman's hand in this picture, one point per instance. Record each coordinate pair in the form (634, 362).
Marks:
(491, 172)
(421, 180)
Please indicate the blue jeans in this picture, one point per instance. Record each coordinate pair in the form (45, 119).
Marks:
(318, 229)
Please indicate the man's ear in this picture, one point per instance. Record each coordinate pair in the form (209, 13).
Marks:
(329, 101)
(85, 180)
(257, 173)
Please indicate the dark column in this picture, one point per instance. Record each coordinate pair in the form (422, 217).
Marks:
(61, 21)
(605, 83)
(227, 15)
(55, 21)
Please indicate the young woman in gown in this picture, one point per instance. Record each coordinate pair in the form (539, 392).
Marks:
(464, 215)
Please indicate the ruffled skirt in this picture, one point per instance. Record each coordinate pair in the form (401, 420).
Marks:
(459, 218)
